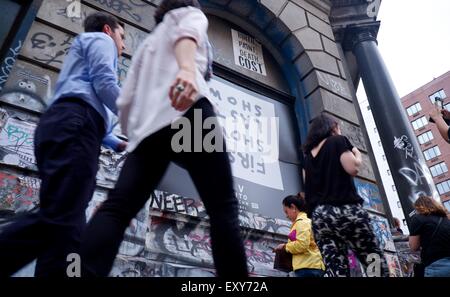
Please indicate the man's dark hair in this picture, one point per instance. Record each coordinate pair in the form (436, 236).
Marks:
(97, 20)
(168, 5)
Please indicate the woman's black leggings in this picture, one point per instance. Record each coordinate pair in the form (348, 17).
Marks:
(141, 173)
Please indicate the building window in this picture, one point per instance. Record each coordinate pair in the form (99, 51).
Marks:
(388, 172)
(447, 204)
(399, 205)
(414, 109)
(379, 142)
(368, 107)
(440, 94)
(419, 123)
(384, 158)
(447, 106)
(425, 137)
(443, 187)
(438, 169)
(375, 130)
(432, 153)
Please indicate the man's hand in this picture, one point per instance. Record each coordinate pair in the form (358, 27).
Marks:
(122, 146)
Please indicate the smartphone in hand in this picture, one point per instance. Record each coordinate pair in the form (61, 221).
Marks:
(439, 103)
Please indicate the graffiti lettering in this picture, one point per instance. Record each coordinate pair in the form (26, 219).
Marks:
(120, 6)
(122, 71)
(44, 41)
(403, 144)
(334, 85)
(178, 204)
(18, 136)
(74, 9)
(8, 63)
(416, 176)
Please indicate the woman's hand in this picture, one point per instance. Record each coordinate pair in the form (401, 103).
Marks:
(435, 114)
(183, 91)
(279, 247)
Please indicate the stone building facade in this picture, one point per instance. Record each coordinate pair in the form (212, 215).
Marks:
(286, 59)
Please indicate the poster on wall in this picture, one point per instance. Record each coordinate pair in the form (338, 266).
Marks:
(18, 193)
(370, 193)
(16, 141)
(250, 130)
(382, 231)
(248, 52)
(395, 269)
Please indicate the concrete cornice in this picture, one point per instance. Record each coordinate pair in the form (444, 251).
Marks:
(347, 14)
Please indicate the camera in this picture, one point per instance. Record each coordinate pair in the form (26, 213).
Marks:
(439, 103)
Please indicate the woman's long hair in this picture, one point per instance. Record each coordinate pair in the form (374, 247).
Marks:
(428, 206)
(168, 5)
(321, 127)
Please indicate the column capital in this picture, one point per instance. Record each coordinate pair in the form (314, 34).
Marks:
(354, 34)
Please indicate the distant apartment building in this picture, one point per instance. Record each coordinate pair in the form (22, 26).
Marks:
(436, 150)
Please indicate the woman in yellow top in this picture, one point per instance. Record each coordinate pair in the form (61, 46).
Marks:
(306, 257)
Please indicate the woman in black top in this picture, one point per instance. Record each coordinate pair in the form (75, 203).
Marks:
(339, 221)
(430, 230)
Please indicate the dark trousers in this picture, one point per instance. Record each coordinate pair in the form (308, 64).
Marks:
(309, 272)
(141, 173)
(67, 147)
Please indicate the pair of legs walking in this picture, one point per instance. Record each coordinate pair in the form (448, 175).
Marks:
(67, 147)
(141, 173)
(338, 228)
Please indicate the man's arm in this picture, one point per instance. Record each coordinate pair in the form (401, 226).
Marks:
(102, 60)
(441, 125)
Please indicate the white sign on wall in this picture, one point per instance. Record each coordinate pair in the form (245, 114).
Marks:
(250, 132)
(248, 52)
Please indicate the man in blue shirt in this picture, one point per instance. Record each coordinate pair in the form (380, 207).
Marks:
(67, 146)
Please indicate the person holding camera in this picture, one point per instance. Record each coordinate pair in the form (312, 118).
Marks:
(441, 117)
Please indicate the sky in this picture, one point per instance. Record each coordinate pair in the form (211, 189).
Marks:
(414, 41)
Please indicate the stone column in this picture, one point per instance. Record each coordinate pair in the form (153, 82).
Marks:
(407, 164)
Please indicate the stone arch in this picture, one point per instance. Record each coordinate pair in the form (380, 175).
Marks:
(281, 26)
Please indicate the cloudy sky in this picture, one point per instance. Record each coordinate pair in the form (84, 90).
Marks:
(414, 40)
